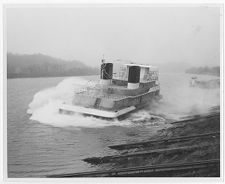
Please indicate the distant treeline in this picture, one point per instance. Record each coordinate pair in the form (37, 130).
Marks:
(39, 65)
(204, 70)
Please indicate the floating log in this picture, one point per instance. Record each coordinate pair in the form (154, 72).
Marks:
(162, 141)
(106, 159)
(152, 170)
(194, 118)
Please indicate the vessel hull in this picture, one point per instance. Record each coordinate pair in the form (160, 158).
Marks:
(140, 102)
(72, 109)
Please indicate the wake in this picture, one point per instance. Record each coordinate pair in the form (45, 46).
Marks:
(177, 102)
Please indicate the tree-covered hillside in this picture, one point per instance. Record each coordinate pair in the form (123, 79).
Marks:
(39, 65)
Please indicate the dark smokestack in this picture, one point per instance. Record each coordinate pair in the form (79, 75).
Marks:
(133, 77)
(106, 73)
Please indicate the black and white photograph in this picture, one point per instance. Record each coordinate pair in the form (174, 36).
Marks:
(113, 90)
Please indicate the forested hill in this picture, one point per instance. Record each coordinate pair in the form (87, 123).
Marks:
(39, 65)
(204, 70)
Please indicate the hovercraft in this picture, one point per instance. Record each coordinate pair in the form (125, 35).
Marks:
(122, 88)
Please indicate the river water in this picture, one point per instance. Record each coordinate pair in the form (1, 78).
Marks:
(47, 143)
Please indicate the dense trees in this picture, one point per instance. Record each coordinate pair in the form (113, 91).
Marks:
(204, 70)
(39, 65)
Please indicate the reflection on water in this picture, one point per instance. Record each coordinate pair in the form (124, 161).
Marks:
(50, 143)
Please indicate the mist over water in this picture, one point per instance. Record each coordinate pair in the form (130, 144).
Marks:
(45, 106)
(178, 100)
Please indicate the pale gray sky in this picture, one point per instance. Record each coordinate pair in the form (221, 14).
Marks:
(140, 34)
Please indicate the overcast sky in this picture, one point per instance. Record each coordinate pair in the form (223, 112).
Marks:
(140, 34)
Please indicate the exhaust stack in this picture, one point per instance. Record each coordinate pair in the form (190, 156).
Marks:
(106, 73)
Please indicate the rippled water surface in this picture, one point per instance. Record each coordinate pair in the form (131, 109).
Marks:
(49, 143)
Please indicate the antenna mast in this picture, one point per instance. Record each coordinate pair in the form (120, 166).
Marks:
(103, 59)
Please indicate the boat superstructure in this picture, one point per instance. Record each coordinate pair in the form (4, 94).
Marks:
(122, 88)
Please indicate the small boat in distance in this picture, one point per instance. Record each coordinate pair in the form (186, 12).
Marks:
(204, 84)
(122, 88)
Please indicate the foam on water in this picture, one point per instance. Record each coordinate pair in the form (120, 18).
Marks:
(45, 104)
(62, 92)
(178, 100)
(48, 114)
(181, 100)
